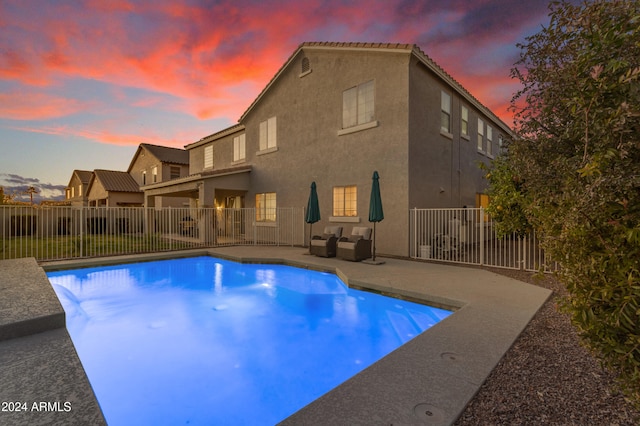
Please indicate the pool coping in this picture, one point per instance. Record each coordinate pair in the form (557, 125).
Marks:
(429, 380)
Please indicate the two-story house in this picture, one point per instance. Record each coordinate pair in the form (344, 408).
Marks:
(333, 114)
(153, 164)
(76, 191)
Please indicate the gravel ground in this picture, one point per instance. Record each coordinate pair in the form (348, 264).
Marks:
(548, 377)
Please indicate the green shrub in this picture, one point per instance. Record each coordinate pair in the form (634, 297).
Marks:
(577, 158)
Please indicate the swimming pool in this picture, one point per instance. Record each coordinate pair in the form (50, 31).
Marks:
(208, 341)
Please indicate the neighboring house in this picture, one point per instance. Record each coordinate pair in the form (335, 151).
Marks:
(76, 191)
(333, 114)
(108, 188)
(152, 164)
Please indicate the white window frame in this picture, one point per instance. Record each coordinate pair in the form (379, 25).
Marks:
(445, 112)
(464, 122)
(268, 135)
(239, 148)
(266, 207)
(359, 105)
(208, 157)
(489, 140)
(154, 174)
(480, 143)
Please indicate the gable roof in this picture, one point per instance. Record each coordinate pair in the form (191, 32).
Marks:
(84, 176)
(217, 135)
(412, 49)
(164, 154)
(115, 181)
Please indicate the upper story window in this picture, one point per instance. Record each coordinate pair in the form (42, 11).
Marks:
(305, 65)
(144, 178)
(208, 157)
(239, 148)
(73, 192)
(464, 121)
(445, 113)
(358, 105)
(268, 134)
(80, 190)
(489, 140)
(266, 207)
(154, 174)
(345, 201)
(480, 134)
(174, 172)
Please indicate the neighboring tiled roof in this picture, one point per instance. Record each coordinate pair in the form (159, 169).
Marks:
(83, 175)
(167, 154)
(116, 181)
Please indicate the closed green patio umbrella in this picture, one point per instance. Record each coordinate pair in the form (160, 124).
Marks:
(375, 208)
(313, 210)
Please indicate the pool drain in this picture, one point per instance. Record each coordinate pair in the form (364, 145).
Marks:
(429, 413)
(450, 356)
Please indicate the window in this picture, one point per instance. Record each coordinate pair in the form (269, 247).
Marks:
(345, 201)
(445, 114)
(464, 121)
(358, 105)
(239, 148)
(154, 174)
(73, 191)
(268, 134)
(80, 190)
(500, 142)
(489, 140)
(266, 207)
(144, 178)
(208, 157)
(174, 172)
(480, 134)
(305, 65)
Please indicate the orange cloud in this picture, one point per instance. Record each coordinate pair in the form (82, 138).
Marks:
(37, 106)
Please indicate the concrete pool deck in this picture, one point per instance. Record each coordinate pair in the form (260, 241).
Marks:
(428, 381)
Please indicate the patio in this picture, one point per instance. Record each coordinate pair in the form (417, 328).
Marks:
(427, 381)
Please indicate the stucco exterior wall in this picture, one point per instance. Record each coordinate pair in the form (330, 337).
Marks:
(308, 110)
(444, 168)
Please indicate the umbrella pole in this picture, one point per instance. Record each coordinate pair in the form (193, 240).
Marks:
(310, 226)
(374, 241)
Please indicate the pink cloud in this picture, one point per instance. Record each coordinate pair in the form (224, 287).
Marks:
(212, 60)
(37, 106)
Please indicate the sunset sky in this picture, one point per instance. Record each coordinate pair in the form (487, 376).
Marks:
(82, 83)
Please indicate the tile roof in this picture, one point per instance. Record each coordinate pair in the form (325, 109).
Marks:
(414, 49)
(83, 175)
(167, 154)
(116, 181)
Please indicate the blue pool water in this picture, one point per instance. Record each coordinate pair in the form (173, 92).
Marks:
(208, 341)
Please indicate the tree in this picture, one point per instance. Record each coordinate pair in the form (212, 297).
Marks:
(577, 157)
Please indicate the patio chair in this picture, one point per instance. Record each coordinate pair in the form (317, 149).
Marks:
(325, 245)
(357, 247)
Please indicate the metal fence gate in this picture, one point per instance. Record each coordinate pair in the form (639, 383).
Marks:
(468, 236)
